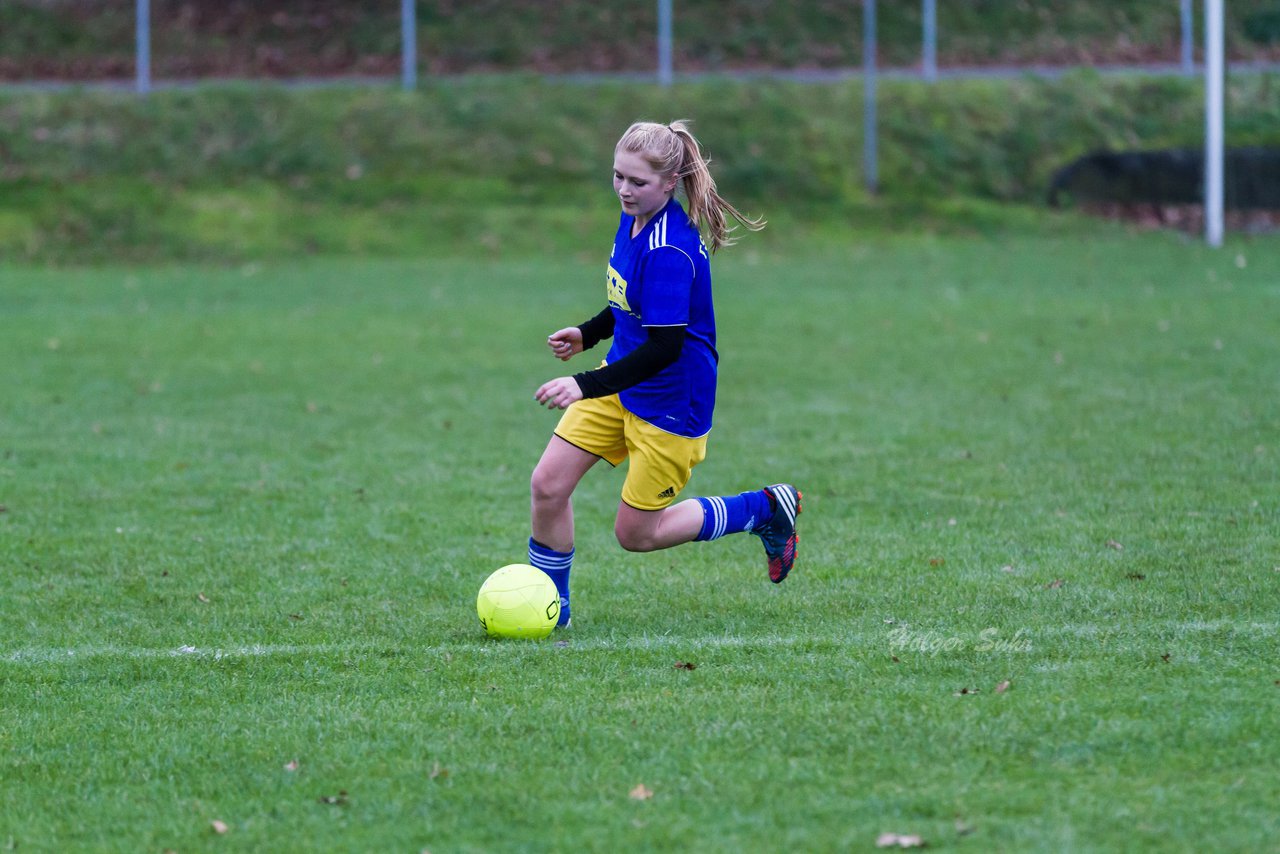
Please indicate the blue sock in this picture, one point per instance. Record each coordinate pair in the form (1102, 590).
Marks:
(557, 565)
(732, 514)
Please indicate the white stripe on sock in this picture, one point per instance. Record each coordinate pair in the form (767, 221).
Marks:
(545, 561)
(722, 517)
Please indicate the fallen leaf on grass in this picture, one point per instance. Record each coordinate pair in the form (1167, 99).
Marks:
(1136, 576)
(219, 827)
(1002, 687)
(296, 617)
(338, 800)
(1165, 658)
(641, 793)
(291, 765)
(1055, 584)
(685, 665)
(937, 561)
(437, 772)
(203, 598)
(1112, 544)
(900, 840)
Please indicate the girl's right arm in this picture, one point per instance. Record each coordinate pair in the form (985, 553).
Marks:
(570, 341)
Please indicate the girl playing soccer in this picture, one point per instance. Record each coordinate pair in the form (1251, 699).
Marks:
(652, 399)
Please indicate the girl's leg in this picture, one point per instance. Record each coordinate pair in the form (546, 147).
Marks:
(649, 530)
(769, 513)
(554, 478)
(551, 489)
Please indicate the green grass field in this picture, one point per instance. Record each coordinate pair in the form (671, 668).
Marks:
(245, 512)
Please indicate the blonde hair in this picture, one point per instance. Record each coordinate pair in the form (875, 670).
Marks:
(672, 150)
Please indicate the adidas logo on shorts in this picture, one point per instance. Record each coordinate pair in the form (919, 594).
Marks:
(669, 492)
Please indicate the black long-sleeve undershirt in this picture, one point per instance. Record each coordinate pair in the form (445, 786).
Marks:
(660, 350)
(597, 328)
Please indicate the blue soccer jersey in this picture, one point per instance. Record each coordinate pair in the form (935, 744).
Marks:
(662, 277)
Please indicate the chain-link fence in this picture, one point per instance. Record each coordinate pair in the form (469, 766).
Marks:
(187, 40)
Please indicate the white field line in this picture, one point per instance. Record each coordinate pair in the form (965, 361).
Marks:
(214, 653)
(1037, 639)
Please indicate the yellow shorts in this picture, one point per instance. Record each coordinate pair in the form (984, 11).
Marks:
(661, 462)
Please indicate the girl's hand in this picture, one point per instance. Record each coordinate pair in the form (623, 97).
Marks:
(566, 343)
(559, 393)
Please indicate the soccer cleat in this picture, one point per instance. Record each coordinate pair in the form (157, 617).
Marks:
(779, 533)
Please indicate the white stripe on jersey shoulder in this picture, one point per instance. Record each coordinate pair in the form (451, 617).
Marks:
(658, 240)
(658, 236)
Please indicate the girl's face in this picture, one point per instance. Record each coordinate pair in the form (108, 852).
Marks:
(642, 191)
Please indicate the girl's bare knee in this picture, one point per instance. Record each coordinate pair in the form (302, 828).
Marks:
(634, 541)
(545, 486)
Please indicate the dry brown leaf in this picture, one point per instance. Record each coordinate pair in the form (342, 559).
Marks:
(1055, 584)
(685, 665)
(900, 840)
(641, 793)
(219, 827)
(1002, 687)
(203, 598)
(937, 561)
(437, 772)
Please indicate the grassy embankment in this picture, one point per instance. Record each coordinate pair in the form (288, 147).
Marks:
(505, 166)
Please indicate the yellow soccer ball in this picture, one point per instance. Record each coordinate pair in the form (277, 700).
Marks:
(518, 601)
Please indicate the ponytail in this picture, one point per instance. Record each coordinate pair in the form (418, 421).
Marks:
(672, 150)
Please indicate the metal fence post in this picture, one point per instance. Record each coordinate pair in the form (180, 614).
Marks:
(929, 53)
(869, 165)
(664, 42)
(1214, 70)
(142, 46)
(1188, 39)
(408, 44)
